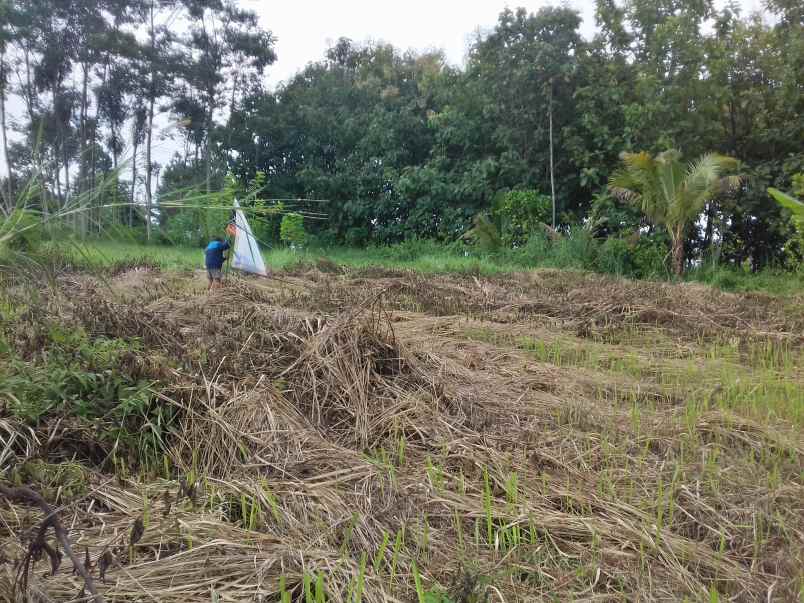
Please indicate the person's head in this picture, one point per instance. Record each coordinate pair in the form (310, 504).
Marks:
(218, 239)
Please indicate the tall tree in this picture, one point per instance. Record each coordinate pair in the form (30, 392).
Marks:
(7, 19)
(528, 65)
(155, 72)
(227, 46)
(139, 121)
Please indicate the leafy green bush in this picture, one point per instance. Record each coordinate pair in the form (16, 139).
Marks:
(185, 227)
(21, 230)
(412, 249)
(649, 256)
(357, 236)
(291, 230)
(611, 217)
(614, 257)
(67, 372)
(484, 234)
(576, 250)
(519, 213)
(535, 252)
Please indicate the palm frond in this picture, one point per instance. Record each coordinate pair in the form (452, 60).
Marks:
(638, 161)
(701, 182)
(636, 183)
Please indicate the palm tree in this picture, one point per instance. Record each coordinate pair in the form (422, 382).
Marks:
(671, 193)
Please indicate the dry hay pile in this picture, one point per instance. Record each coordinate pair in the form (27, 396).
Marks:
(315, 447)
(581, 302)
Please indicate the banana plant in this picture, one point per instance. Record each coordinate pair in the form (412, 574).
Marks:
(795, 206)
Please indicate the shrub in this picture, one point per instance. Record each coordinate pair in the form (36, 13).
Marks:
(576, 250)
(649, 256)
(21, 230)
(92, 379)
(614, 257)
(536, 250)
(412, 249)
(357, 236)
(520, 213)
(291, 230)
(185, 227)
(484, 234)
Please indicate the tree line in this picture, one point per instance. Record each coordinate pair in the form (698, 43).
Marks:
(97, 76)
(392, 145)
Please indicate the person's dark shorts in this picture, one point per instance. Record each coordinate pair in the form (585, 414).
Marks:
(214, 274)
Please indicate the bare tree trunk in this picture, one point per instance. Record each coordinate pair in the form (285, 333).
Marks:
(149, 133)
(93, 156)
(83, 127)
(85, 213)
(148, 170)
(552, 167)
(234, 93)
(66, 173)
(206, 149)
(29, 105)
(116, 212)
(9, 192)
(709, 233)
(58, 180)
(133, 181)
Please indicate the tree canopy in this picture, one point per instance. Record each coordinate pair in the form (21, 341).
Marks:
(391, 145)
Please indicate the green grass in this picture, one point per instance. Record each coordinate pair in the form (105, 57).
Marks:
(419, 256)
(761, 383)
(101, 254)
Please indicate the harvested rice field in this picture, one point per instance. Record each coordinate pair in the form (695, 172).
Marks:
(373, 435)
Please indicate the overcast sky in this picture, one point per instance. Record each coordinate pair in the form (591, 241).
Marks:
(306, 28)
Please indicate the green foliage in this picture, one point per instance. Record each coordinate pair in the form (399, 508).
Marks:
(798, 185)
(21, 230)
(576, 250)
(521, 213)
(670, 193)
(436, 596)
(649, 257)
(793, 205)
(388, 145)
(66, 480)
(612, 218)
(70, 372)
(484, 234)
(614, 257)
(291, 230)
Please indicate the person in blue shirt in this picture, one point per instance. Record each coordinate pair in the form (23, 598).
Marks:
(213, 259)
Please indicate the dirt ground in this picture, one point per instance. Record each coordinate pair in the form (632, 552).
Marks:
(386, 436)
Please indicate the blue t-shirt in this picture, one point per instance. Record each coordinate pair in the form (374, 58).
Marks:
(214, 255)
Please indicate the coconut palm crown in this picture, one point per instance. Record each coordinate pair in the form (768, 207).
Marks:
(671, 193)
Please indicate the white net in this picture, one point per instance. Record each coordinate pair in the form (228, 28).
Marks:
(247, 256)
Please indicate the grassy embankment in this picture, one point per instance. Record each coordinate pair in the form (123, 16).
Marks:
(425, 258)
